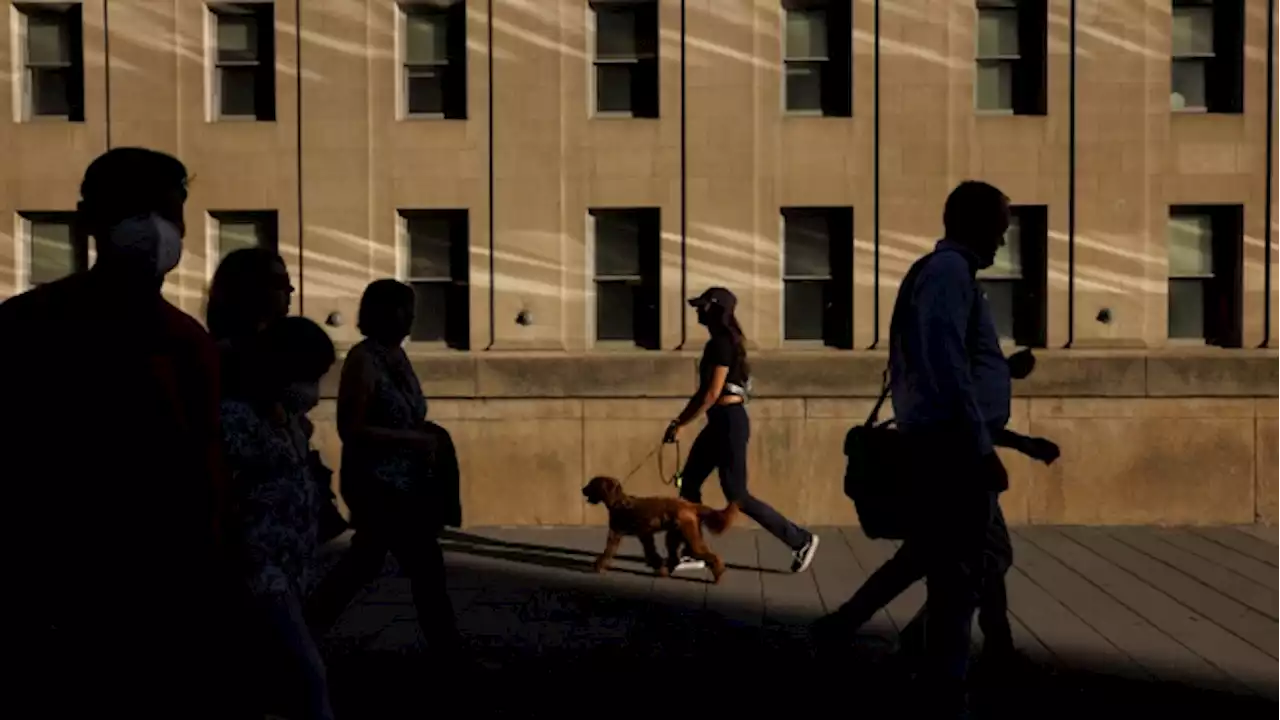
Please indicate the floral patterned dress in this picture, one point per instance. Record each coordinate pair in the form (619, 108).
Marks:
(278, 504)
(396, 401)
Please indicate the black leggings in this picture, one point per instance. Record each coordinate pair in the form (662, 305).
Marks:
(722, 445)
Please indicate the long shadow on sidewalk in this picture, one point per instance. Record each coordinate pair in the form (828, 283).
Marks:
(557, 643)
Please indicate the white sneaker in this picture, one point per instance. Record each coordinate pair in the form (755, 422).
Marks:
(804, 556)
(688, 563)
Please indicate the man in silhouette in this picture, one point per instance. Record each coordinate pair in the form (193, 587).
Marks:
(950, 385)
(113, 475)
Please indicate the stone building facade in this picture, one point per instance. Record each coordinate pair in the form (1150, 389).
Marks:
(555, 176)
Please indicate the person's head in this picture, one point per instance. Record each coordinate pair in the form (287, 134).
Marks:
(977, 216)
(250, 288)
(131, 203)
(386, 311)
(716, 306)
(289, 358)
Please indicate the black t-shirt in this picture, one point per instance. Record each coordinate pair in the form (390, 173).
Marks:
(720, 351)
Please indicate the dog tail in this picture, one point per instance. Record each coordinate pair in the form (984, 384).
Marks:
(717, 521)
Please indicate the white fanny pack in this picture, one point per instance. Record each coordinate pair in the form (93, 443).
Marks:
(743, 391)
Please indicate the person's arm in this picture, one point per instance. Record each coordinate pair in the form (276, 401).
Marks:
(704, 398)
(354, 390)
(1036, 448)
(944, 297)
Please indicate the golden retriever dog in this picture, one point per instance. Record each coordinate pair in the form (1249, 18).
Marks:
(646, 516)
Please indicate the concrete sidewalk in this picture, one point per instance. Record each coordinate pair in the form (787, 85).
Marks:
(1168, 618)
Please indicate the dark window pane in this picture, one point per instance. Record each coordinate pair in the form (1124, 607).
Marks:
(430, 311)
(237, 38)
(616, 34)
(804, 306)
(804, 86)
(1186, 308)
(426, 37)
(238, 91)
(233, 235)
(53, 253)
(615, 310)
(807, 244)
(617, 241)
(1192, 30)
(429, 246)
(997, 34)
(48, 39)
(424, 91)
(1188, 89)
(993, 85)
(613, 87)
(1000, 297)
(806, 37)
(49, 97)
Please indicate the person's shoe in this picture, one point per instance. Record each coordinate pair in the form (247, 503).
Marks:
(689, 563)
(804, 556)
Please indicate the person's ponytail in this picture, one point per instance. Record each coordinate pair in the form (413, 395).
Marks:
(739, 343)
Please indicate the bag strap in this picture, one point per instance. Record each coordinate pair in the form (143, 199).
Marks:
(910, 279)
(874, 417)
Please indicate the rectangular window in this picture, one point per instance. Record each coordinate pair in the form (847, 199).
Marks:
(625, 275)
(626, 57)
(817, 57)
(53, 61)
(244, 82)
(1017, 283)
(53, 250)
(235, 229)
(1011, 41)
(1207, 63)
(437, 251)
(1205, 268)
(435, 59)
(817, 275)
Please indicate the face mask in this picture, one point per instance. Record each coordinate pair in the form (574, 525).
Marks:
(300, 397)
(150, 240)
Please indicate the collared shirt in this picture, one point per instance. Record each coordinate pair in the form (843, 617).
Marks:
(945, 363)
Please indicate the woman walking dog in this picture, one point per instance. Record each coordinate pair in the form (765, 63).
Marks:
(723, 388)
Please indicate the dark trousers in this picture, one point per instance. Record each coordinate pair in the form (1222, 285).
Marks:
(910, 564)
(722, 445)
(958, 512)
(387, 524)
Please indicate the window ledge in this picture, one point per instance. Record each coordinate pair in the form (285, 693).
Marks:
(414, 117)
(598, 115)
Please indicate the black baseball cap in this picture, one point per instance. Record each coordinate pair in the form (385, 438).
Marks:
(715, 296)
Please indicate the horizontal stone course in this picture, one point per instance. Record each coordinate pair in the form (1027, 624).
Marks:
(832, 374)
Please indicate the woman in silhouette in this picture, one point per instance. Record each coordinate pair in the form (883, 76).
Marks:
(278, 503)
(399, 473)
(251, 289)
(723, 389)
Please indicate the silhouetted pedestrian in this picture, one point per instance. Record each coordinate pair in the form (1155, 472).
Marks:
(399, 474)
(278, 503)
(114, 472)
(950, 385)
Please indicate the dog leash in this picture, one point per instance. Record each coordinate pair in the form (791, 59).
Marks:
(675, 479)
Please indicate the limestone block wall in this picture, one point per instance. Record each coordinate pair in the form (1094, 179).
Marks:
(1146, 438)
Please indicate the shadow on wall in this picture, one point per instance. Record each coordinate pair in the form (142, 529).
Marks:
(576, 640)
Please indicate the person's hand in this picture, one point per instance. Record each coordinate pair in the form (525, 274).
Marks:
(672, 434)
(1021, 363)
(1043, 449)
